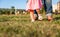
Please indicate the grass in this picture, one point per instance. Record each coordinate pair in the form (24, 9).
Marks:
(21, 26)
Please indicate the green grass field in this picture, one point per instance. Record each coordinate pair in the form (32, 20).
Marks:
(21, 26)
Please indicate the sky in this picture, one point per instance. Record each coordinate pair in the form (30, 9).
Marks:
(19, 4)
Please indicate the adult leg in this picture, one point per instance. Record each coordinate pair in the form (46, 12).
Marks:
(48, 8)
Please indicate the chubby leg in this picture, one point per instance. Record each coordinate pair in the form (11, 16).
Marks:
(32, 15)
(39, 14)
(35, 15)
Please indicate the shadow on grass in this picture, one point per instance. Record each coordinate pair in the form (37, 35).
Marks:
(56, 18)
(45, 19)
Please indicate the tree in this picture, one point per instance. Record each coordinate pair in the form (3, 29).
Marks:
(12, 11)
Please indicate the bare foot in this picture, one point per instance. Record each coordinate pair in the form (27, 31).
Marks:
(49, 18)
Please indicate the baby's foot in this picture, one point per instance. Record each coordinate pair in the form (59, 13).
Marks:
(40, 17)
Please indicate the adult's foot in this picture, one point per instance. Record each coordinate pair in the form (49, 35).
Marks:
(49, 18)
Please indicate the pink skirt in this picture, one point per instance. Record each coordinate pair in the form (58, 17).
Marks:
(34, 4)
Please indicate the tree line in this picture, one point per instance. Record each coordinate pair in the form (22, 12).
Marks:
(12, 10)
(9, 11)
